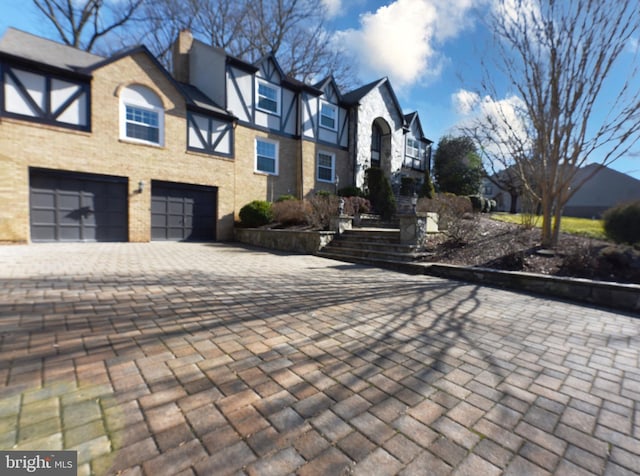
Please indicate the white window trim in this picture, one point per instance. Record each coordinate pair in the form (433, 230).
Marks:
(147, 107)
(335, 117)
(278, 90)
(277, 158)
(333, 166)
(415, 149)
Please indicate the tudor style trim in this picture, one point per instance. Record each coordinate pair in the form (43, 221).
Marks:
(44, 113)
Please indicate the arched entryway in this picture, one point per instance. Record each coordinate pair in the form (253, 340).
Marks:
(380, 154)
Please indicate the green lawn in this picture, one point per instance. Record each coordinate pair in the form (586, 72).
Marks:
(576, 226)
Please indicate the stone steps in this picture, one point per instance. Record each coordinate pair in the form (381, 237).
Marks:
(373, 246)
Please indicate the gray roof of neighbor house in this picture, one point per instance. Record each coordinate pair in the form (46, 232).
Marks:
(48, 52)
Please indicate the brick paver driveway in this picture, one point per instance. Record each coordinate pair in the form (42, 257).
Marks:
(214, 359)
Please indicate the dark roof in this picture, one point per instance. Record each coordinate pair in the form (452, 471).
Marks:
(410, 118)
(41, 50)
(200, 100)
(353, 97)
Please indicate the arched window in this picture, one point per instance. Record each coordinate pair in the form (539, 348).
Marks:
(141, 115)
(376, 145)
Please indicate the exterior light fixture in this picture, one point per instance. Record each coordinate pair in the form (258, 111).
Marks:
(140, 186)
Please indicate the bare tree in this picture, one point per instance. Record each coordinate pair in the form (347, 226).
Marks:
(293, 30)
(82, 23)
(559, 57)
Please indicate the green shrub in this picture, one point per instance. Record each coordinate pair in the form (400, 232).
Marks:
(427, 190)
(256, 213)
(351, 191)
(478, 203)
(407, 186)
(622, 223)
(380, 192)
(284, 198)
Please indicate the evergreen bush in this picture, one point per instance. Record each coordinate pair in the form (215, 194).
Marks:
(351, 191)
(256, 213)
(622, 223)
(380, 193)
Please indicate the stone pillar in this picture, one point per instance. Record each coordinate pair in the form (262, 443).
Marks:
(341, 223)
(414, 228)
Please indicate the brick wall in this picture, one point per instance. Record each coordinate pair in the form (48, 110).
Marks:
(101, 151)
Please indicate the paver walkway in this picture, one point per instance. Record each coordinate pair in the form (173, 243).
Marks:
(213, 359)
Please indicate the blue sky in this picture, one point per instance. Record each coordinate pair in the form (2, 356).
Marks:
(430, 50)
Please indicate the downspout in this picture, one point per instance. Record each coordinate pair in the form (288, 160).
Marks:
(300, 178)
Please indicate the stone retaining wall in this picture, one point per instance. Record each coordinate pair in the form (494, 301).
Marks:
(285, 240)
(612, 295)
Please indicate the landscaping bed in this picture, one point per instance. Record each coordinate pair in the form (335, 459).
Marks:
(504, 246)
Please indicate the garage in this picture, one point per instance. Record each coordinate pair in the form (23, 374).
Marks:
(183, 212)
(70, 206)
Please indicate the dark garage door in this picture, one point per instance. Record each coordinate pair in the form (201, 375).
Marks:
(181, 212)
(68, 206)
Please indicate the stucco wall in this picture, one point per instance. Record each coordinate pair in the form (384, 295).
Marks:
(378, 103)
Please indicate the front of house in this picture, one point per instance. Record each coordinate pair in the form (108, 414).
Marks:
(119, 149)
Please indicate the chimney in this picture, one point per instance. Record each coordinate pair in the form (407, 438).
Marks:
(181, 49)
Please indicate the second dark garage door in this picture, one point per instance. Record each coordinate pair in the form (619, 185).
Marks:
(183, 212)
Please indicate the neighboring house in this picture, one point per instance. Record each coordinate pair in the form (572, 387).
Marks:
(119, 149)
(605, 189)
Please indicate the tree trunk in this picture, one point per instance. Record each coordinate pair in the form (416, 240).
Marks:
(514, 203)
(546, 238)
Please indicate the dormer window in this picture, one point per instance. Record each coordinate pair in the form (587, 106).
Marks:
(328, 113)
(268, 97)
(141, 116)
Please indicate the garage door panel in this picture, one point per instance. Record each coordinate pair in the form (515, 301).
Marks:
(182, 212)
(66, 206)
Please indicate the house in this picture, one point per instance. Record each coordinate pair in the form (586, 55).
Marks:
(382, 136)
(604, 189)
(119, 149)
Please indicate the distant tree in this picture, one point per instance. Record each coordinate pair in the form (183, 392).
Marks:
(559, 57)
(293, 30)
(80, 23)
(457, 167)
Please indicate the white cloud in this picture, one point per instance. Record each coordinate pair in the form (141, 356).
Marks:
(401, 40)
(464, 102)
(332, 7)
(506, 117)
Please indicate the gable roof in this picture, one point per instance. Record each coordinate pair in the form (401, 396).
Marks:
(20, 45)
(409, 120)
(322, 84)
(25, 46)
(354, 97)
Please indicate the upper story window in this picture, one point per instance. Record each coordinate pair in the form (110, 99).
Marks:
(266, 156)
(413, 147)
(268, 97)
(415, 154)
(142, 115)
(326, 167)
(328, 114)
